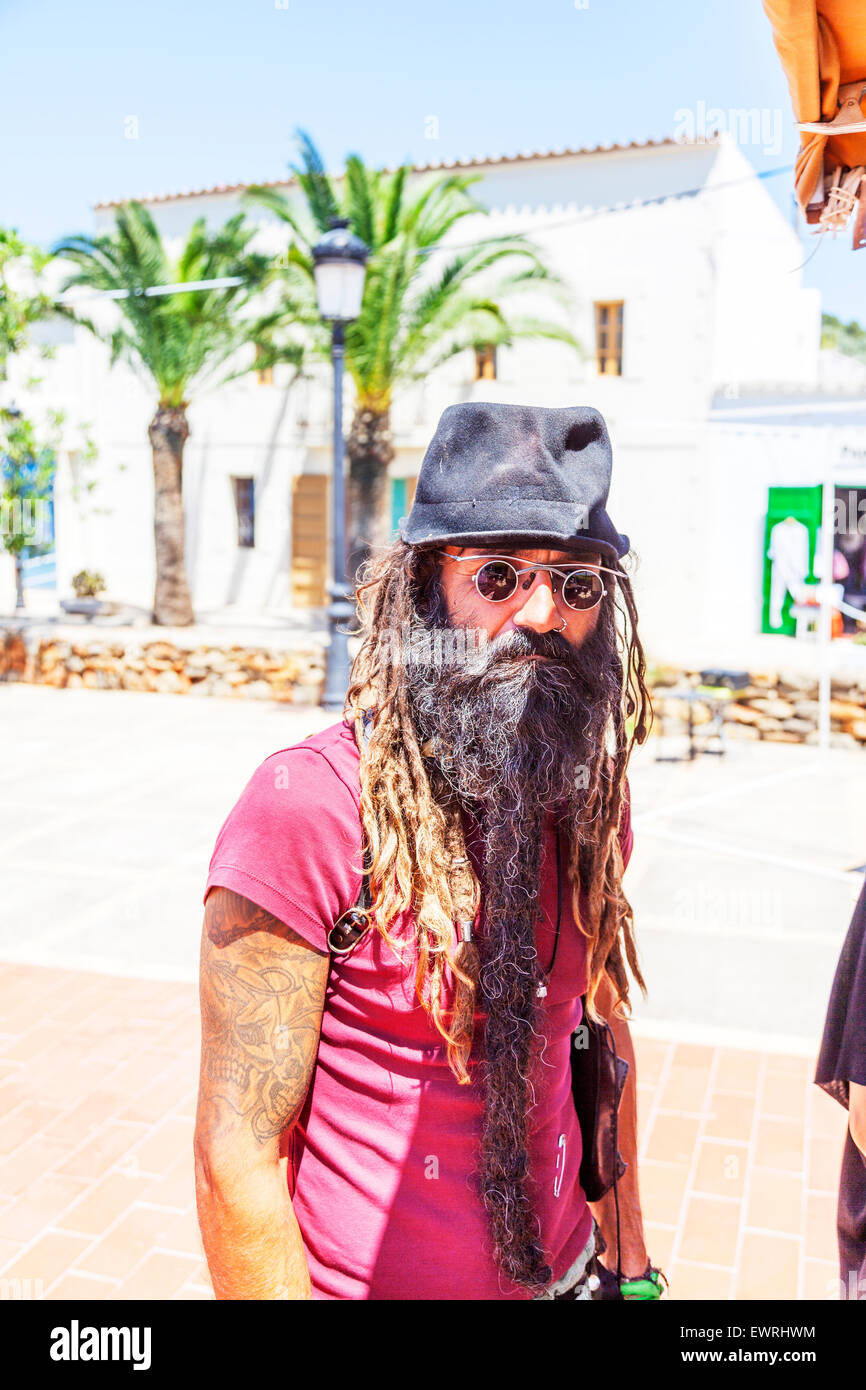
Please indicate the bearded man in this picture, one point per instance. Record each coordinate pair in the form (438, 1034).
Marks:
(387, 1113)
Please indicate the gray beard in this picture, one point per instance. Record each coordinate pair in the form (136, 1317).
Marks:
(508, 735)
(514, 740)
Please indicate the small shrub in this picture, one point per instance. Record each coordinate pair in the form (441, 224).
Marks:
(88, 583)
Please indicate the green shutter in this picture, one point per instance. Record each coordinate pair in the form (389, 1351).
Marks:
(398, 503)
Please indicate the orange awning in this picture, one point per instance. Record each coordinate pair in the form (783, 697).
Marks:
(822, 45)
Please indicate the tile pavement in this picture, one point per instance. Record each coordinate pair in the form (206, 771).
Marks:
(740, 1152)
(739, 1166)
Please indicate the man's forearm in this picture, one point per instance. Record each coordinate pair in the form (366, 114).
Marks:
(634, 1253)
(250, 1235)
(262, 989)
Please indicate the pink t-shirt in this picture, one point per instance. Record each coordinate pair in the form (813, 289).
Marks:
(381, 1161)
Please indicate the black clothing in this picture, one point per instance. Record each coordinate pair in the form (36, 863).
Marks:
(843, 1059)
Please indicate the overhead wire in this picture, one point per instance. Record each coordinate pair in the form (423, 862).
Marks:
(447, 247)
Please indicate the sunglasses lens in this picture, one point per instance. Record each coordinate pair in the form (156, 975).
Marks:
(582, 589)
(496, 580)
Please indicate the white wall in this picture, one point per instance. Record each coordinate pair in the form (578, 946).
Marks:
(712, 299)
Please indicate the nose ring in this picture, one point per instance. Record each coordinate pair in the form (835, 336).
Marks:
(562, 629)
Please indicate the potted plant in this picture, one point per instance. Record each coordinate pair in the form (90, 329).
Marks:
(88, 585)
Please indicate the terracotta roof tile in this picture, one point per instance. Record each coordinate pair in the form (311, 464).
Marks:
(485, 161)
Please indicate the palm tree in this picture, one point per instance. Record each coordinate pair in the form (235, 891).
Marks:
(848, 338)
(179, 341)
(27, 464)
(422, 303)
(22, 300)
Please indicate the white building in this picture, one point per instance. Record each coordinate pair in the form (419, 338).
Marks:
(676, 247)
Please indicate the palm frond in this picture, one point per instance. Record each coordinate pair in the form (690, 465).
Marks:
(465, 268)
(183, 339)
(422, 302)
(392, 204)
(314, 181)
(279, 204)
(439, 208)
(528, 326)
(360, 199)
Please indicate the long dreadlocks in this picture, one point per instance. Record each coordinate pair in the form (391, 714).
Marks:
(413, 829)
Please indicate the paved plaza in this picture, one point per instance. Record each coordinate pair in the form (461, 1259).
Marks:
(744, 874)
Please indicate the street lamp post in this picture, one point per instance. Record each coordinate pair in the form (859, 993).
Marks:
(339, 261)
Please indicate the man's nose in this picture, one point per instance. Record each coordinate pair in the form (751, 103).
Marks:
(539, 611)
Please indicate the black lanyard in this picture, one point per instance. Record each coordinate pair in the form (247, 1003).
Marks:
(558, 901)
(544, 981)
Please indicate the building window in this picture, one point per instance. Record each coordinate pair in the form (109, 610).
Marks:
(608, 337)
(264, 375)
(485, 362)
(245, 506)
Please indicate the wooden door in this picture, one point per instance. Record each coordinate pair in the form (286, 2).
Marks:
(311, 496)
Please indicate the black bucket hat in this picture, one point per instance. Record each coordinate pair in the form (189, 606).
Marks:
(525, 476)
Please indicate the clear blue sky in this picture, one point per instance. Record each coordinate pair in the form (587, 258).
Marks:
(219, 87)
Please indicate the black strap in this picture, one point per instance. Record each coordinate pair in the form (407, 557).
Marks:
(348, 930)
(616, 1166)
(558, 902)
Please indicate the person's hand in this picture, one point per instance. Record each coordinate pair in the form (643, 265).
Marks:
(645, 1288)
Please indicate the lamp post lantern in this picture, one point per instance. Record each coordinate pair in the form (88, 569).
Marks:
(339, 261)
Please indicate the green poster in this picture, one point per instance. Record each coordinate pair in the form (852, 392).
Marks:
(793, 508)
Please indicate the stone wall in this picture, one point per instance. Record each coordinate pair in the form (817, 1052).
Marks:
(100, 663)
(777, 707)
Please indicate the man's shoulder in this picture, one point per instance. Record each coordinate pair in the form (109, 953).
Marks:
(336, 740)
(291, 842)
(317, 763)
(308, 791)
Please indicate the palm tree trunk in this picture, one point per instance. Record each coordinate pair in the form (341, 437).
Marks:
(19, 580)
(370, 451)
(168, 432)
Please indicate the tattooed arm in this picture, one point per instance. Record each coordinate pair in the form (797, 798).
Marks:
(262, 992)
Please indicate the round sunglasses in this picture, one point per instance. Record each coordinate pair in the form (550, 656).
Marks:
(498, 578)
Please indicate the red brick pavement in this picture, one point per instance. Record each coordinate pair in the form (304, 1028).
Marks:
(740, 1153)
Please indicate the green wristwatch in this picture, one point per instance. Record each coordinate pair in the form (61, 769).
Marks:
(646, 1288)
